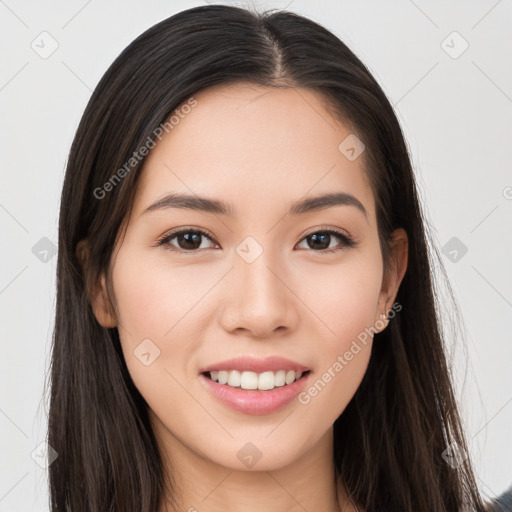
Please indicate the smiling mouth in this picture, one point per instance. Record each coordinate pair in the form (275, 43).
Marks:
(255, 381)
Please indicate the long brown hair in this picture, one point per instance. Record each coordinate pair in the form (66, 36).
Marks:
(390, 440)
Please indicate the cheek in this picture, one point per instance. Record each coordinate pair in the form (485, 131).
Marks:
(346, 302)
(334, 385)
(153, 299)
(159, 312)
(173, 308)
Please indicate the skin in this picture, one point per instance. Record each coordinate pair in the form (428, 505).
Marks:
(260, 149)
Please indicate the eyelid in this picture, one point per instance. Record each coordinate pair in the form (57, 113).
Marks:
(316, 229)
(347, 239)
(184, 229)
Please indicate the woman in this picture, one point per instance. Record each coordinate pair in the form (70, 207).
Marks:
(245, 312)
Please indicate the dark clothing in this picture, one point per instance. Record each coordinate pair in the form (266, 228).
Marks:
(503, 503)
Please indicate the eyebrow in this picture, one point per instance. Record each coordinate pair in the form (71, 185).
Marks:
(215, 206)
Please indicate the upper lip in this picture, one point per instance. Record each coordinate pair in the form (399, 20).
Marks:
(251, 364)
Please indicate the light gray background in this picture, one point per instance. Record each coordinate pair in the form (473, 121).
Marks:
(457, 117)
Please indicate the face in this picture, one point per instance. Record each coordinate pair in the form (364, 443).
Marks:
(259, 281)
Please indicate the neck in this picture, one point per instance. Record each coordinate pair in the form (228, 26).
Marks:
(308, 483)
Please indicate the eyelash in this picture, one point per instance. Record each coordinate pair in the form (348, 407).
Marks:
(347, 241)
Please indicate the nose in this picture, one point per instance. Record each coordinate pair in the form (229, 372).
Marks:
(258, 300)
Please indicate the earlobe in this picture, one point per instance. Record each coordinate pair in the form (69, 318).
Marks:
(98, 297)
(400, 247)
(399, 258)
(101, 306)
(393, 278)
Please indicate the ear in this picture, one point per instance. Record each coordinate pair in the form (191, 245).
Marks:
(393, 277)
(99, 298)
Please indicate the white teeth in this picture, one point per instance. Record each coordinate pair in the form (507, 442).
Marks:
(248, 380)
(266, 380)
(222, 377)
(279, 378)
(234, 379)
(290, 377)
(253, 380)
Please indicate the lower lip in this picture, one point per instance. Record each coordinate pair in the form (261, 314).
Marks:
(255, 401)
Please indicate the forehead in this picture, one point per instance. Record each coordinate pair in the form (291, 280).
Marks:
(252, 145)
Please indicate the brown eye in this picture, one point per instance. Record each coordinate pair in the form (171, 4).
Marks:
(187, 240)
(192, 240)
(320, 241)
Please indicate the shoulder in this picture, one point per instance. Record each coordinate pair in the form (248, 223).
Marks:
(503, 503)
